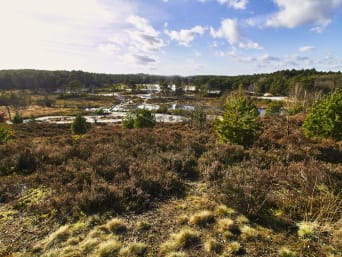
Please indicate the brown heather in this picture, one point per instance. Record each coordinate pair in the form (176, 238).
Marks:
(162, 175)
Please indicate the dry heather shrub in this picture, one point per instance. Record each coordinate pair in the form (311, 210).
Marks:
(212, 246)
(212, 163)
(223, 210)
(184, 239)
(134, 250)
(203, 218)
(285, 252)
(109, 248)
(248, 232)
(116, 225)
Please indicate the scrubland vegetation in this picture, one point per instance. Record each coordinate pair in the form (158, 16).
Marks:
(239, 185)
(169, 191)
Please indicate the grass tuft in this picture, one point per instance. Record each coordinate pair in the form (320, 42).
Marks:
(212, 246)
(222, 210)
(203, 218)
(224, 224)
(183, 219)
(109, 248)
(60, 235)
(306, 229)
(89, 245)
(143, 225)
(134, 250)
(176, 254)
(248, 232)
(242, 219)
(184, 239)
(116, 226)
(285, 252)
(232, 248)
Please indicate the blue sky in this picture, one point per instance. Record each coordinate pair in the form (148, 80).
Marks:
(184, 37)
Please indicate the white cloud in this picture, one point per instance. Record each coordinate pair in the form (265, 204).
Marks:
(143, 37)
(294, 13)
(305, 49)
(236, 4)
(78, 34)
(185, 36)
(229, 30)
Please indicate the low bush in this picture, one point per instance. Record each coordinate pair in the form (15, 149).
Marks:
(79, 126)
(6, 133)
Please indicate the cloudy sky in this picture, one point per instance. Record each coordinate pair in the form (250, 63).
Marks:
(184, 37)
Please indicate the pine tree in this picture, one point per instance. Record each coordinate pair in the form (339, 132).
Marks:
(79, 126)
(240, 123)
(325, 118)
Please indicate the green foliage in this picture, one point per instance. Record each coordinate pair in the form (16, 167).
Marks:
(295, 109)
(163, 109)
(198, 117)
(75, 86)
(128, 121)
(100, 112)
(79, 125)
(325, 119)
(240, 123)
(144, 119)
(164, 86)
(6, 133)
(274, 108)
(17, 119)
(140, 118)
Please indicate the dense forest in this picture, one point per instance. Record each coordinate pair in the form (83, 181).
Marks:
(278, 83)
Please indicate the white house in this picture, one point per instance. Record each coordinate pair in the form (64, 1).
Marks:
(189, 88)
(151, 87)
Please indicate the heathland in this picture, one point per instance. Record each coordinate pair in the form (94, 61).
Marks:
(174, 189)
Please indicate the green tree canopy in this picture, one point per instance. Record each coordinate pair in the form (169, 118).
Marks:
(17, 119)
(6, 133)
(240, 123)
(140, 118)
(325, 118)
(274, 108)
(79, 126)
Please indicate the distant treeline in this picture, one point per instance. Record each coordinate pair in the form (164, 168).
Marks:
(278, 83)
